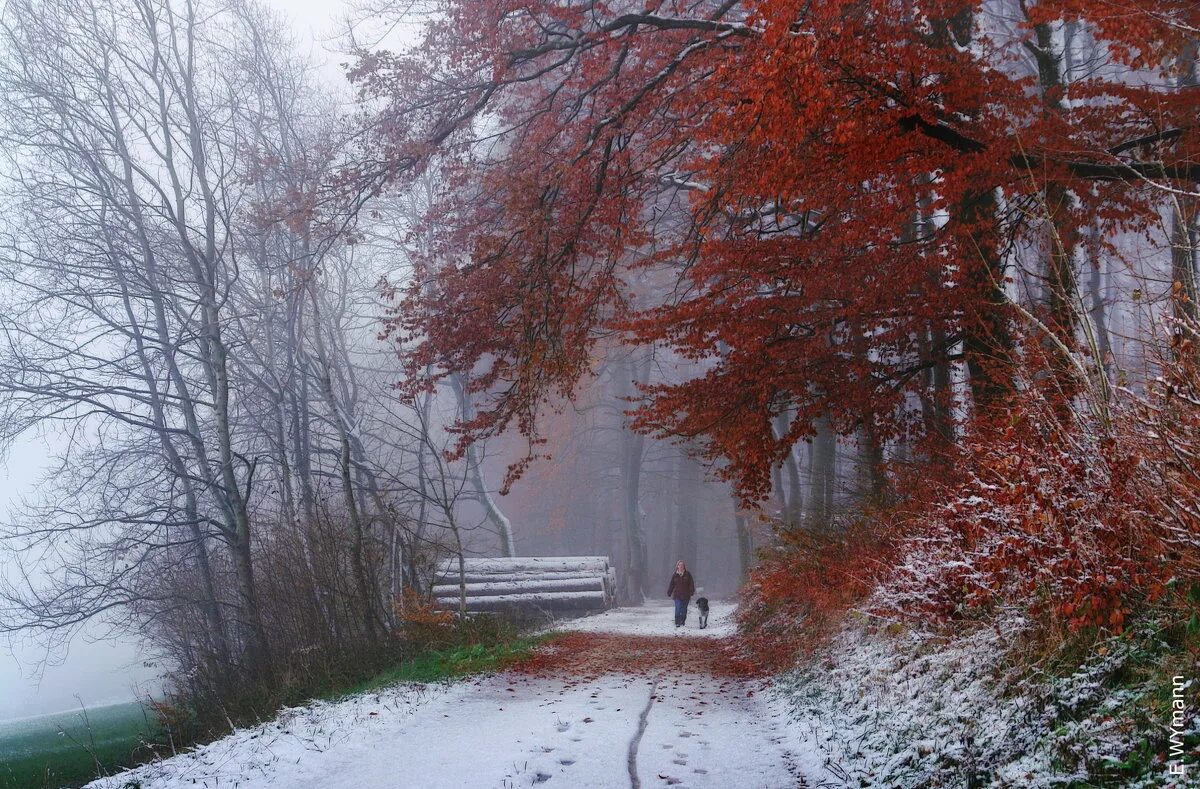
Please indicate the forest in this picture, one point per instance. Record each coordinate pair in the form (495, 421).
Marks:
(880, 315)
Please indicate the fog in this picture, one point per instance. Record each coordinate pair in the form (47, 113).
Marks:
(97, 667)
(36, 678)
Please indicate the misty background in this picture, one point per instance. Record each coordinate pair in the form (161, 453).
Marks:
(97, 668)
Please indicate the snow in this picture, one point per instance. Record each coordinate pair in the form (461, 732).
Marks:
(875, 707)
(522, 576)
(899, 708)
(657, 618)
(514, 730)
(533, 584)
(474, 733)
(702, 735)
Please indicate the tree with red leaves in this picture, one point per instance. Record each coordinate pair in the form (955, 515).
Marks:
(816, 203)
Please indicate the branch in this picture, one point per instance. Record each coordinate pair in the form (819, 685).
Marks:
(1092, 171)
(1163, 136)
(942, 133)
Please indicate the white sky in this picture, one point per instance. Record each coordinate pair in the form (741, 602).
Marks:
(104, 671)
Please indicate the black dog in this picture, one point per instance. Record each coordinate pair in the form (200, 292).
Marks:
(702, 605)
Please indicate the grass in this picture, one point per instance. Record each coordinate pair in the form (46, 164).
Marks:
(438, 665)
(72, 748)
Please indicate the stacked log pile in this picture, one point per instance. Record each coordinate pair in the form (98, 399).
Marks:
(528, 586)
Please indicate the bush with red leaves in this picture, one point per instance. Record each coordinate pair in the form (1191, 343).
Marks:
(806, 583)
(1043, 517)
(1081, 523)
(1084, 519)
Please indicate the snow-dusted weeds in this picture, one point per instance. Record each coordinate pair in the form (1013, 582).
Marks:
(917, 710)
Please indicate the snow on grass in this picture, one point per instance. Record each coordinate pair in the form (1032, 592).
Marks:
(274, 753)
(64, 747)
(898, 711)
(916, 710)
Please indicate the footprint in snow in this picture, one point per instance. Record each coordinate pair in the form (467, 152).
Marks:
(541, 778)
(562, 726)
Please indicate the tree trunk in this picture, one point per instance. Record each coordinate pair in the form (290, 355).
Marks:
(1062, 288)
(630, 373)
(987, 338)
(822, 476)
(358, 552)
(789, 476)
(873, 484)
(1184, 222)
(1098, 309)
(745, 543)
(688, 483)
(495, 515)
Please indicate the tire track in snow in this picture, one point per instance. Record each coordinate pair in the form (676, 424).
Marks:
(634, 781)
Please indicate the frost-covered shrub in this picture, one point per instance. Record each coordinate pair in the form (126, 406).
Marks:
(1043, 516)
(1084, 516)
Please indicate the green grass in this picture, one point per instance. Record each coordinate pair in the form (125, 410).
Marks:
(71, 748)
(446, 664)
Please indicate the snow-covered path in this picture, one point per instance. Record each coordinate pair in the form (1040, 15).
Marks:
(604, 722)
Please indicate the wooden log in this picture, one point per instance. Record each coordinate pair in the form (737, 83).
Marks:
(479, 566)
(555, 602)
(527, 585)
(482, 578)
(492, 588)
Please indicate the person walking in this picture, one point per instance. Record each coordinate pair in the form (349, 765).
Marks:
(681, 589)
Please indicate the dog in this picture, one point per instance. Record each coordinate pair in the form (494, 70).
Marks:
(702, 607)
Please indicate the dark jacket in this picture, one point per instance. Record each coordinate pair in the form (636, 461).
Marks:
(682, 587)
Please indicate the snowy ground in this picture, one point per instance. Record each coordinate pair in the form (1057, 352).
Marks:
(605, 729)
(657, 619)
